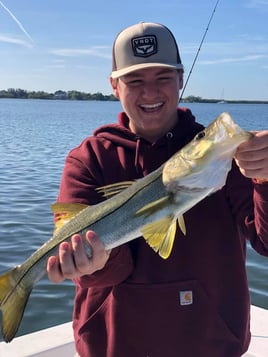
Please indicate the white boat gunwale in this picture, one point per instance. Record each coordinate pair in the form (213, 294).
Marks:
(58, 340)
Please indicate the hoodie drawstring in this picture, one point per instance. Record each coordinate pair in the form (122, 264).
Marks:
(137, 154)
(169, 137)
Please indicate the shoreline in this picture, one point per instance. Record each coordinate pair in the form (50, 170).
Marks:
(18, 93)
(185, 101)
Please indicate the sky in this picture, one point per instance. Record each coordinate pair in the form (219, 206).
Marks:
(66, 45)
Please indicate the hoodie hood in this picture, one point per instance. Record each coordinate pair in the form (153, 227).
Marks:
(120, 135)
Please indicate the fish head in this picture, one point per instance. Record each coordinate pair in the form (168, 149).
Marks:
(205, 161)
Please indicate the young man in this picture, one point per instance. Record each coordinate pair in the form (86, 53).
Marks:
(130, 302)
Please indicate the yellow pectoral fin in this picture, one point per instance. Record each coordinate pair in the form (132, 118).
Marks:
(154, 206)
(63, 212)
(160, 235)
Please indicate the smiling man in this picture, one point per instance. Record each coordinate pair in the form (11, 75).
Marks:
(150, 97)
(129, 301)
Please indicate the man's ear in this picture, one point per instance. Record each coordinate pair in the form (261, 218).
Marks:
(180, 80)
(114, 83)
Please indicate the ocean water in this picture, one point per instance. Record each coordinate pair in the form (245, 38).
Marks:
(36, 136)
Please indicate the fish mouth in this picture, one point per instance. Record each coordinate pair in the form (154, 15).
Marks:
(150, 108)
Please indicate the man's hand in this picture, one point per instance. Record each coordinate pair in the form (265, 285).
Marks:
(72, 261)
(252, 156)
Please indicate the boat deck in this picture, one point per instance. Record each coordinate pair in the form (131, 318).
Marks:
(58, 340)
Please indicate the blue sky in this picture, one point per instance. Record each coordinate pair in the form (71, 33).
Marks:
(62, 44)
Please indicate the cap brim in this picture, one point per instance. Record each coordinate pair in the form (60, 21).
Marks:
(136, 67)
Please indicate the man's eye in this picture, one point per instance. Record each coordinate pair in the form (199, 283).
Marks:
(134, 82)
(164, 78)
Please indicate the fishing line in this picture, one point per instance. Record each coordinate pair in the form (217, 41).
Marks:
(199, 48)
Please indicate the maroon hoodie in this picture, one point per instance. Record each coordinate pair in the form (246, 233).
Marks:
(196, 302)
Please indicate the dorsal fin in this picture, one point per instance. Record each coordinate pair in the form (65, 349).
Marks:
(114, 188)
(63, 212)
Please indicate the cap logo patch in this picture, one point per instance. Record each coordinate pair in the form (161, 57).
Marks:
(144, 46)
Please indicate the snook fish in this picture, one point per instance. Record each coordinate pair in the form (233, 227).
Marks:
(151, 207)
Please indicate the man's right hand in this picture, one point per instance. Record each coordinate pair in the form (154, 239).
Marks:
(72, 261)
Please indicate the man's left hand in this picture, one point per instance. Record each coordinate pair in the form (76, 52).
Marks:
(252, 156)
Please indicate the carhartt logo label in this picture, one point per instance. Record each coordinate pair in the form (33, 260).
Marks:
(186, 297)
(144, 46)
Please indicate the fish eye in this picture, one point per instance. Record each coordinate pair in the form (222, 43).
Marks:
(200, 135)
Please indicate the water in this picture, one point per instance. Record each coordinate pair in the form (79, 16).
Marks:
(36, 136)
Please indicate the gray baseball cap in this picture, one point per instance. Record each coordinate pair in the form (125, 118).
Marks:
(144, 45)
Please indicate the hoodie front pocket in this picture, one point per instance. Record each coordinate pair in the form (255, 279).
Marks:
(174, 319)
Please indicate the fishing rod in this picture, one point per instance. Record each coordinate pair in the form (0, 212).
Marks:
(199, 48)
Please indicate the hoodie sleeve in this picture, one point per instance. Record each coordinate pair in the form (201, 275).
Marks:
(249, 203)
(260, 198)
(81, 176)
(118, 267)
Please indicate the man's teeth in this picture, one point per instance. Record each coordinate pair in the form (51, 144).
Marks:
(151, 106)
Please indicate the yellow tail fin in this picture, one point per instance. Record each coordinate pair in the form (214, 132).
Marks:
(13, 299)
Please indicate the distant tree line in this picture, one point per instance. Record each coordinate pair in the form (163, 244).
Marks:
(194, 99)
(59, 94)
(76, 95)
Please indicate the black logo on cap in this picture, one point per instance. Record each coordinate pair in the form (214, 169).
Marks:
(144, 46)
